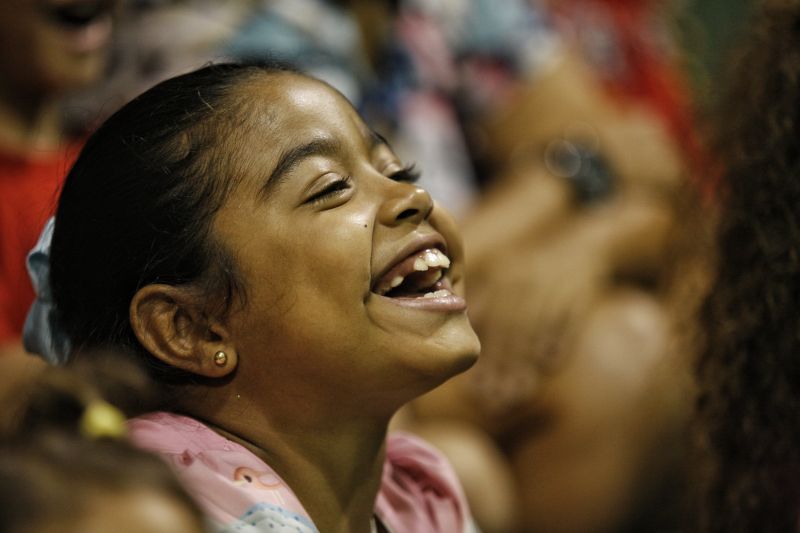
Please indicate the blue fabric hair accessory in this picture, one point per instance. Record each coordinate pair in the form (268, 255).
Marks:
(42, 333)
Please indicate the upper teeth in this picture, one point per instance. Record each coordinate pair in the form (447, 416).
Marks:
(431, 258)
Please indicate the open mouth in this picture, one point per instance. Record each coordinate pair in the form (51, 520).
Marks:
(77, 15)
(420, 275)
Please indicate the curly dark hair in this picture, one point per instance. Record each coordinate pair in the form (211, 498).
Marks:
(750, 369)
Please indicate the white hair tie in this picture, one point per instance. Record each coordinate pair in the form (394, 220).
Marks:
(43, 334)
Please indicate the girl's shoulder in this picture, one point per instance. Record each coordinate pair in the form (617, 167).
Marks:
(419, 490)
(240, 492)
(236, 489)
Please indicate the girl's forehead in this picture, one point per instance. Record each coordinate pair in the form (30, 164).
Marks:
(295, 93)
(290, 105)
(291, 119)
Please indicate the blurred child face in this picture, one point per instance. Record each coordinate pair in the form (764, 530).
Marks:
(132, 511)
(52, 46)
(353, 275)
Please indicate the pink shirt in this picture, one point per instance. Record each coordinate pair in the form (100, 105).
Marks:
(419, 491)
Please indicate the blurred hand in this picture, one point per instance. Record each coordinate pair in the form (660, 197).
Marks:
(529, 300)
(527, 309)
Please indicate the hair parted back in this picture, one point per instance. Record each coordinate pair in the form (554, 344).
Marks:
(137, 206)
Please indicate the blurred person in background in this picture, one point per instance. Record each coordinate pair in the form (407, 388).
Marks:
(155, 40)
(48, 50)
(66, 466)
(588, 260)
(750, 370)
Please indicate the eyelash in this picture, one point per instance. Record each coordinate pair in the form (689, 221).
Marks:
(407, 174)
(335, 187)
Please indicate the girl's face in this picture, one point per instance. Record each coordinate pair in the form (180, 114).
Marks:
(331, 240)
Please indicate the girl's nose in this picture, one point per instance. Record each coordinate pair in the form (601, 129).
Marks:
(407, 203)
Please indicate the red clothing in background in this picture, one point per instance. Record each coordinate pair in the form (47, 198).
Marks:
(29, 187)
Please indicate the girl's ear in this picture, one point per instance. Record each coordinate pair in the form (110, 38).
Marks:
(170, 323)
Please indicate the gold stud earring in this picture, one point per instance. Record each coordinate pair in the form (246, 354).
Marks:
(220, 358)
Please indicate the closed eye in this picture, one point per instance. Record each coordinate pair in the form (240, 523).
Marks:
(333, 189)
(408, 174)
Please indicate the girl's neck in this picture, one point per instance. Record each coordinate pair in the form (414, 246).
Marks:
(29, 122)
(334, 471)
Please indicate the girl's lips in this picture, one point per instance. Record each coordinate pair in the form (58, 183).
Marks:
(441, 299)
(450, 303)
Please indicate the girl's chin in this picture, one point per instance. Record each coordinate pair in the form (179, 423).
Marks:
(442, 364)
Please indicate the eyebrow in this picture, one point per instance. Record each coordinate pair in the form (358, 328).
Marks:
(376, 139)
(324, 146)
(289, 159)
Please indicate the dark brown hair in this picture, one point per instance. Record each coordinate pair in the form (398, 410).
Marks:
(750, 371)
(50, 471)
(137, 206)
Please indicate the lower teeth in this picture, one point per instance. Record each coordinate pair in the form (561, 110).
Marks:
(441, 293)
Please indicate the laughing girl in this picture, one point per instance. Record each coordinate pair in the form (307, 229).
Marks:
(268, 258)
